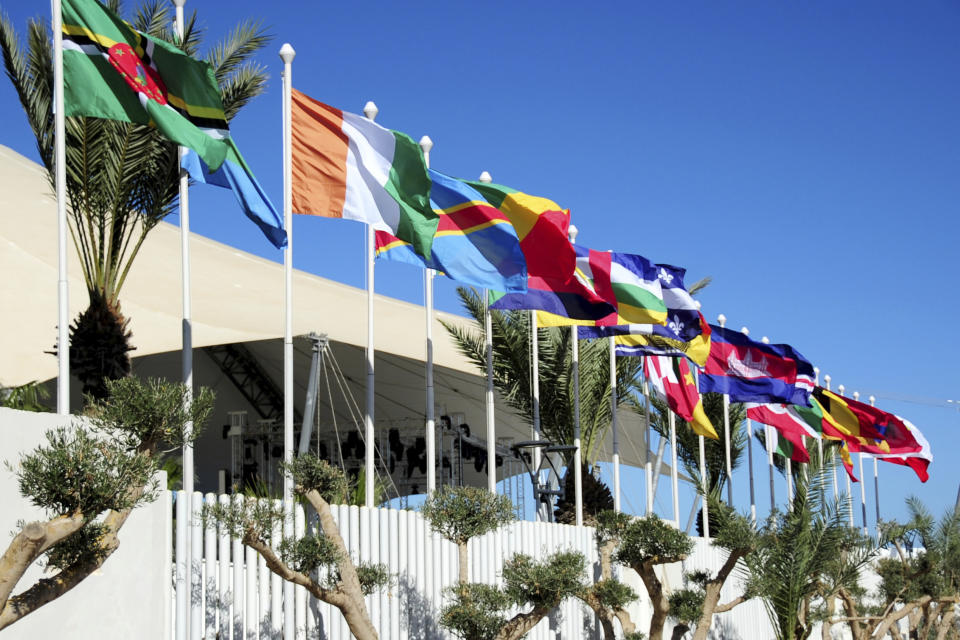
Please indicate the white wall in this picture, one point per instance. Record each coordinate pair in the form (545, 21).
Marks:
(131, 594)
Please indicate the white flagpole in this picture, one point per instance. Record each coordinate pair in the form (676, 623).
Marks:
(613, 423)
(722, 321)
(191, 579)
(577, 453)
(287, 54)
(535, 379)
(488, 394)
(753, 496)
(768, 433)
(816, 381)
(876, 480)
(647, 464)
(706, 487)
(863, 488)
(841, 389)
(674, 478)
(60, 177)
(427, 144)
(370, 110)
(833, 466)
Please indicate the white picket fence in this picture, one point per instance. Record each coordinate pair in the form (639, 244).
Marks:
(242, 600)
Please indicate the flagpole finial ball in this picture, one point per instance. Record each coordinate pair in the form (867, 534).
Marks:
(370, 110)
(873, 399)
(426, 144)
(721, 319)
(287, 53)
(765, 340)
(699, 304)
(485, 177)
(745, 331)
(179, 3)
(572, 233)
(826, 378)
(856, 395)
(841, 388)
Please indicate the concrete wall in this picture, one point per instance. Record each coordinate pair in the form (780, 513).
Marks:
(130, 597)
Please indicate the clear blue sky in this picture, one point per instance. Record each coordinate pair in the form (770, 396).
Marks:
(803, 155)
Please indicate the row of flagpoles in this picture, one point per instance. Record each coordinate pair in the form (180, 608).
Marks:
(377, 148)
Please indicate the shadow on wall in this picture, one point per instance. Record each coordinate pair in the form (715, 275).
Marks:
(420, 620)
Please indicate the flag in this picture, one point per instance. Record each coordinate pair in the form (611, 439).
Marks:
(750, 371)
(347, 166)
(673, 379)
(235, 174)
(843, 449)
(789, 445)
(785, 418)
(791, 426)
(571, 299)
(848, 419)
(920, 460)
(474, 244)
(112, 71)
(541, 226)
(646, 339)
(628, 282)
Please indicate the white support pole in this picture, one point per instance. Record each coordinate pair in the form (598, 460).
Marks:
(876, 481)
(426, 144)
(370, 110)
(753, 495)
(674, 473)
(613, 423)
(60, 179)
(706, 487)
(833, 465)
(863, 483)
(788, 467)
(853, 524)
(286, 55)
(722, 321)
(488, 394)
(577, 453)
(191, 581)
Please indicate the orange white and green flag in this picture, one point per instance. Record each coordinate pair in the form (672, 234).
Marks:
(347, 166)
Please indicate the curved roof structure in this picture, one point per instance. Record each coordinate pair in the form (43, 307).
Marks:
(237, 298)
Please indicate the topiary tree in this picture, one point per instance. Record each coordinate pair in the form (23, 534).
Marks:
(461, 513)
(319, 562)
(88, 478)
(609, 597)
(479, 612)
(596, 498)
(643, 544)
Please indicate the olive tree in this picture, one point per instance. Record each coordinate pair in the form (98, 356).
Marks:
(318, 561)
(461, 513)
(479, 611)
(696, 605)
(88, 477)
(645, 543)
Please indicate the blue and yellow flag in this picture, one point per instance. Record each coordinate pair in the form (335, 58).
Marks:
(474, 244)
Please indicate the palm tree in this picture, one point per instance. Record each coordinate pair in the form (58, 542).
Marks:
(806, 553)
(122, 179)
(512, 373)
(512, 369)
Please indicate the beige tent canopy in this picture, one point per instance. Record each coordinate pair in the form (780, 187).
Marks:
(238, 300)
